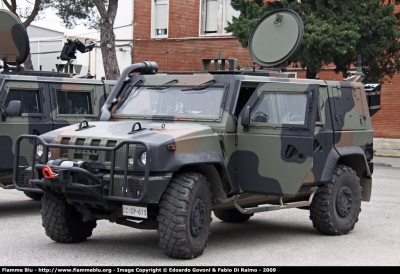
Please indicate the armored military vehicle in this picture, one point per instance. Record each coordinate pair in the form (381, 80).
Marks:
(171, 149)
(35, 102)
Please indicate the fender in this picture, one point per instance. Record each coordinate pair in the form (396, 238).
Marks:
(361, 167)
(336, 155)
(202, 158)
(343, 155)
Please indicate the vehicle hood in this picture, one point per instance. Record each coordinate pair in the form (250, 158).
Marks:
(154, 134)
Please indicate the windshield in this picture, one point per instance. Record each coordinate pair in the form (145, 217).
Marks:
(173, 101)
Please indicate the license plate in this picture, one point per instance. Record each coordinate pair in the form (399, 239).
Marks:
(134, 211)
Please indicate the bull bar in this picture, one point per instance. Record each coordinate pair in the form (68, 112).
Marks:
(34, 141)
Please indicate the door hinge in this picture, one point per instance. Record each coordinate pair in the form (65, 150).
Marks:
(236, 140)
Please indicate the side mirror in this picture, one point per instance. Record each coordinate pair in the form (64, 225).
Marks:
(14, 108)
(246, 117)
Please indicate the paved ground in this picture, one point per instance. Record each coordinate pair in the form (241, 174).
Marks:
(387, 157)
(278, 238)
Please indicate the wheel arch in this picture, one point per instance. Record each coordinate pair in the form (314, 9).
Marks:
(216, 176)
(353, 157)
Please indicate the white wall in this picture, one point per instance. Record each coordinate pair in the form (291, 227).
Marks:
(123, 30)
(45, 46)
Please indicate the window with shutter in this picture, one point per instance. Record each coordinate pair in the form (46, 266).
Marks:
(211, 16)
(161, 18)
(215, 14)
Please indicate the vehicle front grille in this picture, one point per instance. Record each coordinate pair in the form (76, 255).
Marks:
(128, 171)
(121, 165)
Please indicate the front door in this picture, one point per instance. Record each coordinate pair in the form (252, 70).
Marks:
(274, 153)
(34, 119)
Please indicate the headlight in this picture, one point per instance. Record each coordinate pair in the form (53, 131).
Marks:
(130, 161)
(143, 157)
(39, 150)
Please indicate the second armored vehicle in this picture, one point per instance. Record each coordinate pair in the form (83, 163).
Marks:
(35, 102)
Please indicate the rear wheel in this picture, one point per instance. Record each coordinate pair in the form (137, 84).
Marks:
(62, 222)
(335, 209)
(34, 195)
(232, 215)
(185, 216)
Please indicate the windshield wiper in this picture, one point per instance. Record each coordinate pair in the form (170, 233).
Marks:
(163, 85)
(200, 86)
(127, 93)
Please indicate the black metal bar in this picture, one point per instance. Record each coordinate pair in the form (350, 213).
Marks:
(76, 170)
(33, 158)
(111, 192)
(126, 169)
(16, 163)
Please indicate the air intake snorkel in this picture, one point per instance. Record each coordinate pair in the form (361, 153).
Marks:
(145, 67)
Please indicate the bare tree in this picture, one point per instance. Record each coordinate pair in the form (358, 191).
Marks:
(95, 14)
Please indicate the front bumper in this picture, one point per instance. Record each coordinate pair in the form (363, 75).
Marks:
(100, 176)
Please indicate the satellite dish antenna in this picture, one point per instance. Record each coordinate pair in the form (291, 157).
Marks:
(14, 45)
(276, 37)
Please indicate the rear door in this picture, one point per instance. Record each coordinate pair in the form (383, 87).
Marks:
(274, 154)
(73, 102)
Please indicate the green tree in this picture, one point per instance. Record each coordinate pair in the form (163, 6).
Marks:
(99, 14)
(335, 31)
(29, 12)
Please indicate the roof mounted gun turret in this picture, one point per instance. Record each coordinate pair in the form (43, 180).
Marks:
(69, 50)
(68, 54)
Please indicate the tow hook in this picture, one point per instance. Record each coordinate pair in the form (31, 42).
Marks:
(48, 173)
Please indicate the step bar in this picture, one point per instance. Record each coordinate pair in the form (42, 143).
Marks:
(274, 207)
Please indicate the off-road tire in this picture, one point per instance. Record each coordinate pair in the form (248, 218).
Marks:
(34, 195)
(335, 209)
(232, 215)
(185, 216)
(62, 222)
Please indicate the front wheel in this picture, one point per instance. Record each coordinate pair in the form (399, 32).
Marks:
(335, 209)
(62, 222)
(185, 216)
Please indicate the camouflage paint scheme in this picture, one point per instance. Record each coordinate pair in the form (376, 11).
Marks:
(251, 162)
(169, 149)
(11, 127)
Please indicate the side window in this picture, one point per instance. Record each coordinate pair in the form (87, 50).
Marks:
(281, 108)
(73, 102)
(30, 100)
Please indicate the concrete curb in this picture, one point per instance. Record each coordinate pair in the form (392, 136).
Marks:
(386, 143)
(383, 164)
(387, 155)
